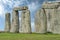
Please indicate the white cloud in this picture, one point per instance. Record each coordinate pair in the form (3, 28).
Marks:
(33, 26)
(3, 3)
(8, 2)
(19, 18)
(17, 3)
(33, 6)
(1, 10)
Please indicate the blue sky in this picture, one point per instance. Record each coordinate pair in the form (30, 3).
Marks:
(8, 5)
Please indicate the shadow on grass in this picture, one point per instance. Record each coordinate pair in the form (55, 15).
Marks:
(48, 33)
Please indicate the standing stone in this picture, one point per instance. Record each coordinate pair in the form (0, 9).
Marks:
(49, 9)
(50, 18)
(50, 13)
(21, 29)
(21, 8)
(53, 16)
(7, 22)
(56, 22)
(40, 22)
(15, 22)
(26, 23)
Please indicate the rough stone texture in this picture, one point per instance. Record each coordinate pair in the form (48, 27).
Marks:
(7, 22)
(15, 22)
(21, 29)
(53, 13)
(20, 8)
(25, 22)
(56, 26)
(50, 5)
(50, 13)
(50, 18)
(40, 22)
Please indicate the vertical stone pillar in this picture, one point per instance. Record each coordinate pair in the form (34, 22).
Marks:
(22, 27)
(26, 22)
(15, 22)
(50, 18)
(40, 22)
(7, 22)
(56, 21)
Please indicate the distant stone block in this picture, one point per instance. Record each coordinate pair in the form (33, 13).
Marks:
(7, 22)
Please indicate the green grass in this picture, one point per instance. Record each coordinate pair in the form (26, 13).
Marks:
(17, 36)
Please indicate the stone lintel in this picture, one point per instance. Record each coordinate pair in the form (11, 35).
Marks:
(50, 5)
(20, 8)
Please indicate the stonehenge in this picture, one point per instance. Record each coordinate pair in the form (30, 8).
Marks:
(21, 8)
(40, 22)
(15, 22)
(7, 22)
(52, 9)
(47, 19)
(25, 21)
(52, 12)
(56, 27)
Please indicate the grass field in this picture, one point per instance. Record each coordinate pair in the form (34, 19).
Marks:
(17, 36)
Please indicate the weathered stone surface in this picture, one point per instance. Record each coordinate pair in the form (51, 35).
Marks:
(7, 22)
(20, 8)
(25, 22)
(15, 22)
(52, 10)
(50, 5)
(56, 26)
(50, 18)
(21, 29)
(40, 22)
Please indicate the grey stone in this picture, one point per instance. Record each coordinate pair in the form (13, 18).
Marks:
(50, 5)
(40, 22)
(50, 18)
(20, 8)
(21, 29)
(15, 22)
(56, 22)
(52, 10)
(25, 22)
(7, 22)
